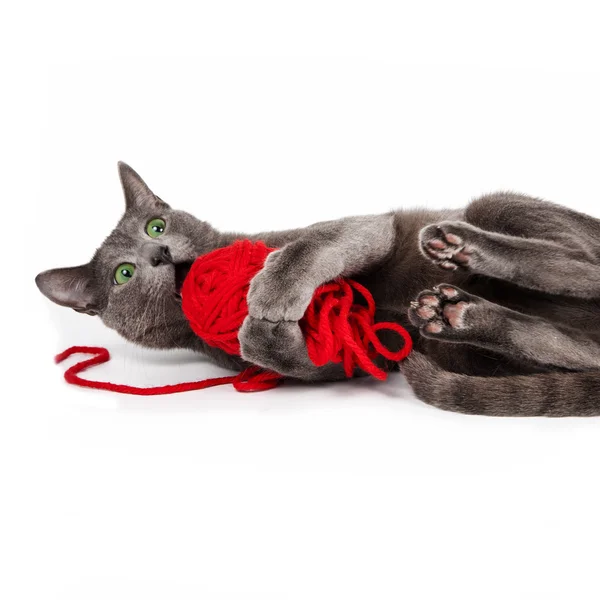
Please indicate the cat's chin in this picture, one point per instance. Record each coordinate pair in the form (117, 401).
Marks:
(181, 271)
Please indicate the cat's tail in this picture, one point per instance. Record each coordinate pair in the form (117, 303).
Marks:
(575, 394)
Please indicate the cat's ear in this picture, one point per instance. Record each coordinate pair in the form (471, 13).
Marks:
(71, 287)
(137, 193)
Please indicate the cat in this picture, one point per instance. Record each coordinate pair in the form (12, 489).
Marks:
(502, 298)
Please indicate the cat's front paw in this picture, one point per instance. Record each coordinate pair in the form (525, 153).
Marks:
(447, 245)
(278, 296)
(278, 347)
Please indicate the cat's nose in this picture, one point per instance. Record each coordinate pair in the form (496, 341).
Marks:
(156, 254)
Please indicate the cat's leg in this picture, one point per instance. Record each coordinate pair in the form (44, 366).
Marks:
(283, 289)
(538, 264)
(280, 294)
(449, 314)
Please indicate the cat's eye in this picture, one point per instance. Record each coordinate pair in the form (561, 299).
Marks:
(124, 273)
(155, 228)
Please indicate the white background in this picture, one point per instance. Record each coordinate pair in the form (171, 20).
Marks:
(257, 116)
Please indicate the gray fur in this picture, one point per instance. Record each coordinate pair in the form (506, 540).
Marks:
(502, 299)
(551, 394)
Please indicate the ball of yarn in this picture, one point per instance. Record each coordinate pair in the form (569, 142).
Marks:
(214, 292)
(336, 329)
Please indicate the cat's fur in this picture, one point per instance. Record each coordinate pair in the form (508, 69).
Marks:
(502, 298)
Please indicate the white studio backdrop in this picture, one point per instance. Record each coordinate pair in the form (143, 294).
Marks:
(263, 117)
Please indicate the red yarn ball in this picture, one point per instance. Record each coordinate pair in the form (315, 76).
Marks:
(214, 292)
(336, 330)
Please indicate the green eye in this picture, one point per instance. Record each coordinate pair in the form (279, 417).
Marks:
(155, 228)
(124, 273)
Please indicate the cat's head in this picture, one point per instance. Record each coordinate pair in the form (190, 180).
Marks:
(133, 280)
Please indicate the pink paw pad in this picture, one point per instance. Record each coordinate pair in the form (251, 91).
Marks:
(454, 239)
(429, 300)
(448, 291)
(426, 312)
(437, 244)
(448, 266)
(454, 313)
(434, 327)
(462, 257)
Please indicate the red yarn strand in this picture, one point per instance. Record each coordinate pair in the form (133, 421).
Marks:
(336, 330)
(252, 379)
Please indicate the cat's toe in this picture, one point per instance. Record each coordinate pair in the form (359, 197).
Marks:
(445, 291)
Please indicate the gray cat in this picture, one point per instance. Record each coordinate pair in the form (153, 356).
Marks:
(502, 299)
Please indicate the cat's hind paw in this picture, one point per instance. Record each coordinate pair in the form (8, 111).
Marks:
(441, 311)
(445, 245)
